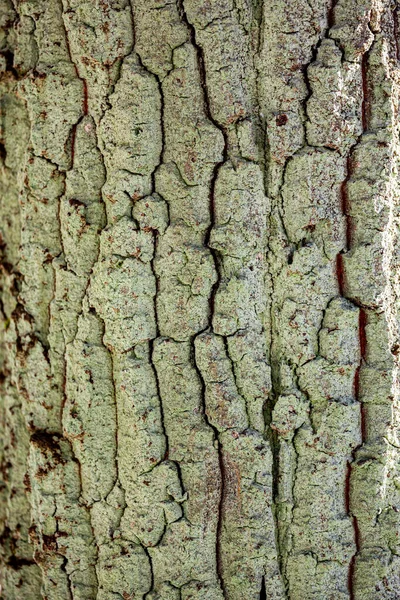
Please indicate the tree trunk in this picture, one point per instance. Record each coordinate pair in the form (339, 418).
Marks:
(199, 294)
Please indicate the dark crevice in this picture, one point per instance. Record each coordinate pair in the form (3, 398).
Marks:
(353, 559)
(3, 152)
(146, 551)
(331, 13)
(340, 272)
(85, 97)
(365, 100)
(162, 126)
(48, 442)
(72, 138)
(9, 60)
(347, 488)
(162, 417)
(220, 517)
(217, 167)
(362, 333)
(263, 591)
(63, 568)
(344, 200)
(220, 463)
(363, 349)
(395, 15)
(207, 110)
(17, 563)
(365, 117)
(114, 388)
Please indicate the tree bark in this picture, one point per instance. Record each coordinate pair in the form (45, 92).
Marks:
(199, 296)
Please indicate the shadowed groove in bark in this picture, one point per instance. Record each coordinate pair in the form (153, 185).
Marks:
(275, 392)
(263, 591)
(156, 278)
(70, 588)
(340, 271)
(156, 236)
(220, 463)
(395, 15)
(9, 60)
(362, 340)
(341, 277)
(271, 434)
(331, 13)
(202, 73)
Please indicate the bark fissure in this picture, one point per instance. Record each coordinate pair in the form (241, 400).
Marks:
(214, 177)
(220, 465)
(341, 276)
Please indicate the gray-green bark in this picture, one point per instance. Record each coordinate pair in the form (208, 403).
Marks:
(200, 271)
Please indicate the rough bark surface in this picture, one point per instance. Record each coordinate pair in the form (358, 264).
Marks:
(200, 285)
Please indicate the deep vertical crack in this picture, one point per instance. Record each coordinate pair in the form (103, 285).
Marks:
(214, 177)
(275, 368)
(146, 551)
(217, 167)
(272, 435)
(220, 464)
(263, 591)
(63, 568)
(341, 278)
(331, 13)
(395, 15)
(363, 349)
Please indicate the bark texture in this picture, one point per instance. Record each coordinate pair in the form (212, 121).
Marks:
(199, 291)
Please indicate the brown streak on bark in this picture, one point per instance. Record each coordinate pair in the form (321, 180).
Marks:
(73, 136)
(365, 101)
(85, 97)
(340, 273)
(362, 333)
(351, 574)
(331, 14)
(344, 196)
(396, 32)
(362, 322)
(347, 488)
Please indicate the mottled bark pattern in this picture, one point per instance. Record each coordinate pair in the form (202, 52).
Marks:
(200, 282)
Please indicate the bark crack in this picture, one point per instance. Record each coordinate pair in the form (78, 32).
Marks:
(341, 278)
(214, 177)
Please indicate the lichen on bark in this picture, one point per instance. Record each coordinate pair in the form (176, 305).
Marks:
(199, 299)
